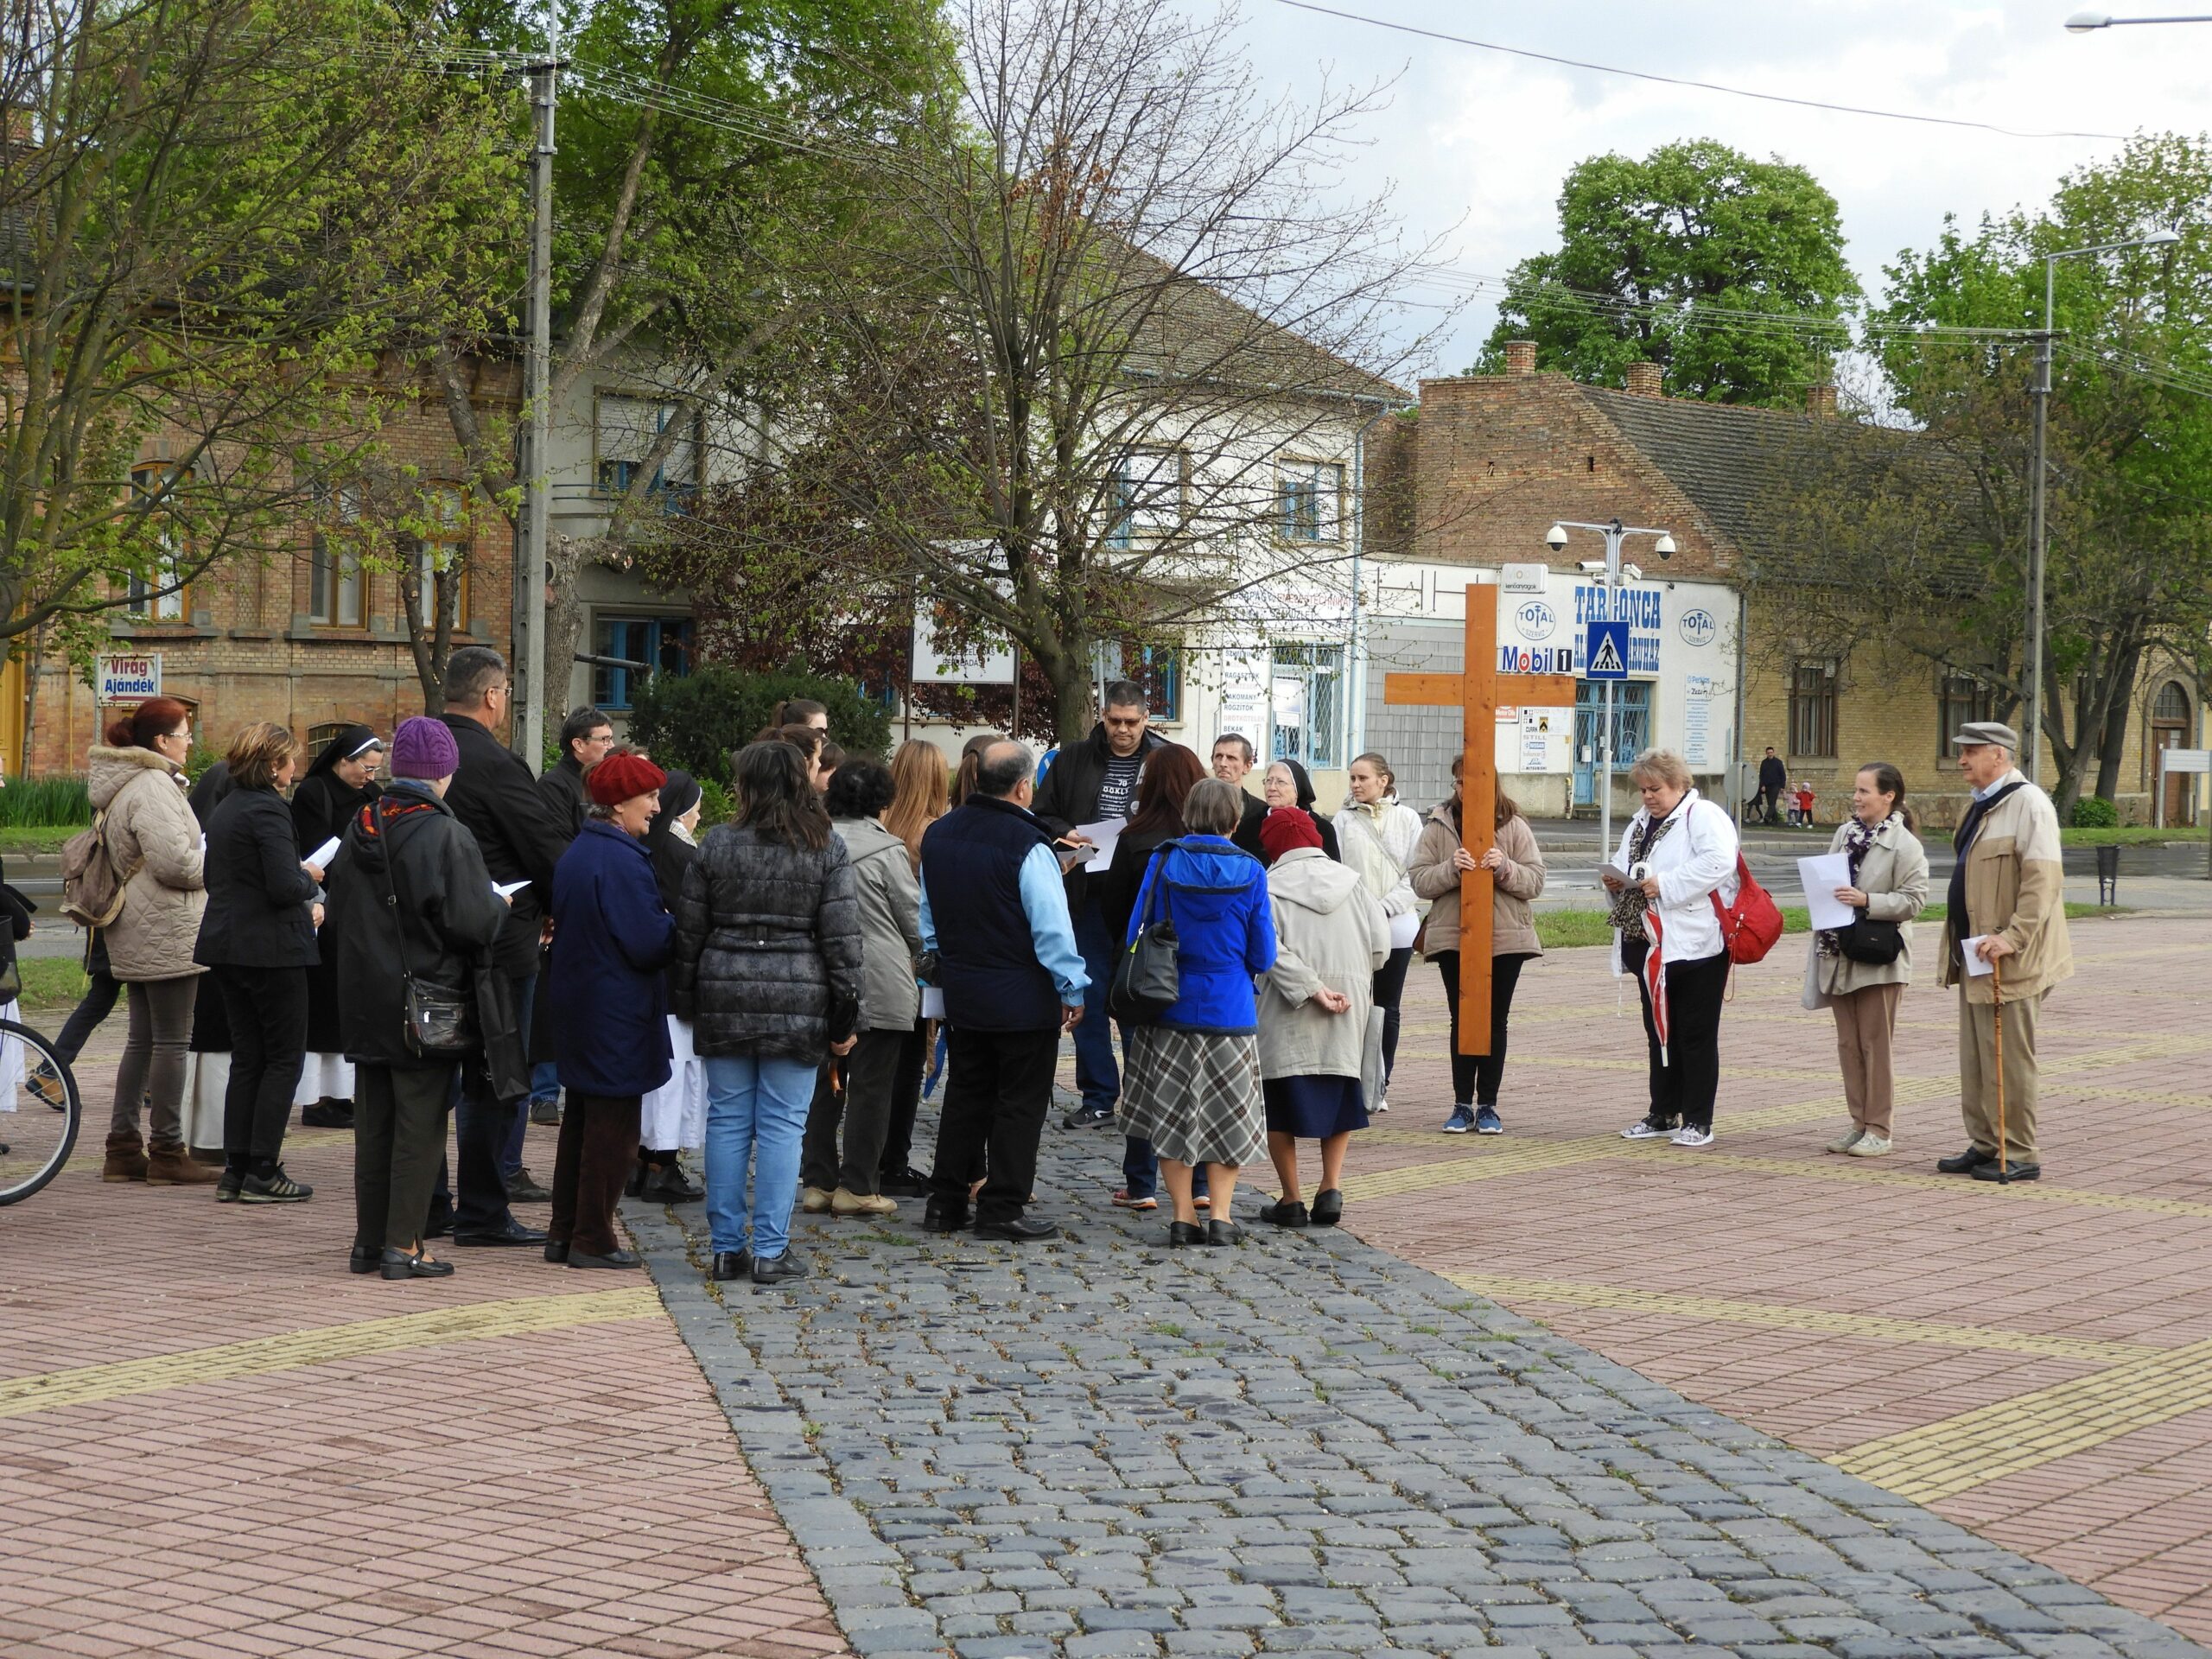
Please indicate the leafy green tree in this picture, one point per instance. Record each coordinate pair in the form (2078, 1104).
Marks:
(1726, 271)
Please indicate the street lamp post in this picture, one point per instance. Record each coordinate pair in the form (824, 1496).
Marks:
(1610, 576)
(2158, 239)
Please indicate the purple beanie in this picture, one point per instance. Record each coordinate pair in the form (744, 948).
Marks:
(423, 747)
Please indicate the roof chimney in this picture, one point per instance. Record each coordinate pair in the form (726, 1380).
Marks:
(1519, 356)
(1820, 400)
(1643, 380)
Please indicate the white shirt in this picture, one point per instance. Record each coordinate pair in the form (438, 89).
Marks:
(1692, 860)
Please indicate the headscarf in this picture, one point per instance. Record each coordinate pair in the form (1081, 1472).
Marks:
(666, 843)
(1305, 784)
(346, 746)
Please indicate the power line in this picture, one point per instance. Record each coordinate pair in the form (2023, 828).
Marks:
(1678, 80)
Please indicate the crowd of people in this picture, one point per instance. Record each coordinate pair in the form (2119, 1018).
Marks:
(462, 938)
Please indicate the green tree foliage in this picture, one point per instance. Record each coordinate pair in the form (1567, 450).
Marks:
(229, 229)
(699, 720)
(1696, 257)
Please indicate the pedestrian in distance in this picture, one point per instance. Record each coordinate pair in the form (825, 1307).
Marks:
(672, 1119)
(1676, 855)
(339, 782)
(1378, 834)
(1232, 760)
(257, 933)
(1014, 982)
(1092, 782)
(613, 939)
(136, 783)
(1774, 778)
(919, 790)
(1330, 936)
(410, 896)
(1284, 787)
(851, 1111)
(1515, 864)
(2007, 903)
(768, 967)
(1860, 973)
(1170, 772)
(521, 836)
(1194, 1072)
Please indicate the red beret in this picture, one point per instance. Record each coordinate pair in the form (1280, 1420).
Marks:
(1287, 827)
(621, 776)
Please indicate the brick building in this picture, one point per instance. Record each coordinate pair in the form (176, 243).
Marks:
(312, 640)
(1493, 461)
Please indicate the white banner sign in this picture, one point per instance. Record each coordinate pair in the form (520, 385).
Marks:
(134, 678)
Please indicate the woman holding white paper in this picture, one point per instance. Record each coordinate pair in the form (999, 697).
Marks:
(342, 780)
(1378, 833)
(1860, 972)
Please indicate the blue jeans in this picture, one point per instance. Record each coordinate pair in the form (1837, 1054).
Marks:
(756, 1123)
(1097, 1077)
(544, 1077)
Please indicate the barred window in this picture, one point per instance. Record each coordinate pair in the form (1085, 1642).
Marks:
(1812, 710)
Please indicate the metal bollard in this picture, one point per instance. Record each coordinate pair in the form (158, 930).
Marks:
(2107, 875)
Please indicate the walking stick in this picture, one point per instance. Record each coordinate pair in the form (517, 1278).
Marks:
(1997, 1031)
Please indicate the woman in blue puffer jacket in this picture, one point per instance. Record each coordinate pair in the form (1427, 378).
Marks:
(1191, 1082)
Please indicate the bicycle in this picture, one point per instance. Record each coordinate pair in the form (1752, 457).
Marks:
(37, 1133)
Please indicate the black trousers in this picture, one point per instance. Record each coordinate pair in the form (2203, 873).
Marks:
(862, 1107)
(268, 1012)
(101, 990)
(598, 1145)
(399, 1136)
(1685, 1082)
(905, 1105)
(1390, 991)
(997, 1089)
(481, 1127)
(1475, 1078)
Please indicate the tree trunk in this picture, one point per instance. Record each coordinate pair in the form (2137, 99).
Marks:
(563, 621)
(2117, 717)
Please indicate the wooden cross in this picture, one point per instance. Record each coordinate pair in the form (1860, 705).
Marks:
(1476, 689)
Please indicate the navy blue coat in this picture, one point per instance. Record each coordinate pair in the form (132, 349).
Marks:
(612, 937)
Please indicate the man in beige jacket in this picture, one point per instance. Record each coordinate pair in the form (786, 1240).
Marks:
(2008, 896)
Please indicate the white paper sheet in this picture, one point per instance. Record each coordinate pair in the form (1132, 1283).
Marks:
(507, 889)
(1105, 834)
(933, 1003)
(1969, 950)
(1821, 876)
(321, 856)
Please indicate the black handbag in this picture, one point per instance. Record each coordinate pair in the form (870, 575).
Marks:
(506, 1061)
(442, 1022)
(1147, 981)
(1869, 941)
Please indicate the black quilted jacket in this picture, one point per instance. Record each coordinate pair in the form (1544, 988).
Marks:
(768, 947)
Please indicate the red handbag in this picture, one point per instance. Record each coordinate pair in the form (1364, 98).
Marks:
(1751, 925)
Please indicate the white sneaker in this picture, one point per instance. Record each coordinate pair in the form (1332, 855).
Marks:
(1645, 1129)
(1846, 1141)
(1383, 1099)
(1689, 1135)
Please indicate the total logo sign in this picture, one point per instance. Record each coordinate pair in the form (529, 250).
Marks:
(1536, 620)
(1698, 627)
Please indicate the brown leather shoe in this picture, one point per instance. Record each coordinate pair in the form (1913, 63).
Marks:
(126, 1158)
(172, 1165)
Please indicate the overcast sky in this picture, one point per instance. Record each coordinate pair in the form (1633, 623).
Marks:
(1476, 143)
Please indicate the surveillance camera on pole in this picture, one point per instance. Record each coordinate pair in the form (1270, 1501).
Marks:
(1555, 538)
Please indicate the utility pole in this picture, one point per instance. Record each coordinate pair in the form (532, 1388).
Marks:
(1612, 575)
(531, 668)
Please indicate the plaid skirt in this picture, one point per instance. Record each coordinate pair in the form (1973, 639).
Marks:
(1195, 1095)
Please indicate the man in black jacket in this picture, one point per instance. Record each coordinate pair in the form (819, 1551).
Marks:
(1773, 777)
(1090, 782)
(522, 838)
(1233, 755)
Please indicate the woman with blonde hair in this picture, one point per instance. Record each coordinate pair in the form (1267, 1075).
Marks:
(1677, 853)
(920, 784)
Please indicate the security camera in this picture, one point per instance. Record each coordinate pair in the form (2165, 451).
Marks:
(1665, 549)
(1592, 566)
(1555, 538)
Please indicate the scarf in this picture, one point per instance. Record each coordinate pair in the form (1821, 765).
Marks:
(1857, 842)
(1630, 904)
(1955, 897)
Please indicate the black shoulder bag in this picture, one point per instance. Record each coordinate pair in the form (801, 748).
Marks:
(1870, 941)
(442, 1019)
(1147, 981)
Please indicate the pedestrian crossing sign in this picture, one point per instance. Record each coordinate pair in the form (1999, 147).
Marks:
(1604, 651)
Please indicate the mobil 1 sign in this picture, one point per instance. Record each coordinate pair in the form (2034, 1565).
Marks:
(1604, 651)
(136, 677)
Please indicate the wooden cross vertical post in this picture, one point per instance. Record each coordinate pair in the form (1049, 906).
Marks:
(1476, 690)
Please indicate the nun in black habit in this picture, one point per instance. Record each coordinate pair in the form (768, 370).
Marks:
(340, 781)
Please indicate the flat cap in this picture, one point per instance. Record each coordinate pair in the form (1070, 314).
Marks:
(1987, 731)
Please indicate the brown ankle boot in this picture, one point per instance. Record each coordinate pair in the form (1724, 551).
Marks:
(126, 1157)
(172, 1165)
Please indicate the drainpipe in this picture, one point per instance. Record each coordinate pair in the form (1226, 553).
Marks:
(1736, 760)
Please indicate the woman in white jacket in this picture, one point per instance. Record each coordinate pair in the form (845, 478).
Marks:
(1677, 853)
(1376, 834)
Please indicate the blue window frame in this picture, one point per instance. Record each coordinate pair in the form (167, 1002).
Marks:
(664, 642)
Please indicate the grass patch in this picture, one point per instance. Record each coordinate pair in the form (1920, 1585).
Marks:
(23, 840)
(1564, 929)
(51, 981)
(43, 802)
(2129, 834)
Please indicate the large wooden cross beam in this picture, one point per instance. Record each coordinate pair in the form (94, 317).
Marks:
(1476, 690)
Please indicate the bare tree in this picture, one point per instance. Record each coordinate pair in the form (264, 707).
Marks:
(1094, 376)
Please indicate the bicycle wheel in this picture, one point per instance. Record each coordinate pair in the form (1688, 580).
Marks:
(40, 1118)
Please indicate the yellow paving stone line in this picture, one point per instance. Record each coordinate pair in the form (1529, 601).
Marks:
(513, 1317)
(2147, 1096)
(1857, 1169)
(1873, 1327)
(1941, 1459)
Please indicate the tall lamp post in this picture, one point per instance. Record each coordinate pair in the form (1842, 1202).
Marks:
(2158, 239)
(1610, 575)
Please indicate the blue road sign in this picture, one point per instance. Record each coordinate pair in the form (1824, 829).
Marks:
(1604, 651)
